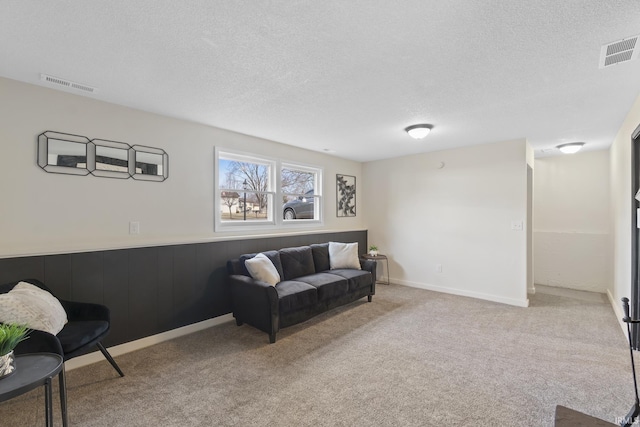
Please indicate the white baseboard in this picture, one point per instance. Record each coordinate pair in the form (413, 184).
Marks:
(464, 293)
(617, 309)
(88, 359)
(531, 290)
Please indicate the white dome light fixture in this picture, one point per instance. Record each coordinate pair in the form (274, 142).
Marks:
(418, 131)
(571, 147)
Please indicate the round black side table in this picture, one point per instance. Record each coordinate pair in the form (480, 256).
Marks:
(35, 370)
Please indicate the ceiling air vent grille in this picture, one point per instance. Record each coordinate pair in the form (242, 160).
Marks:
(620, 51)
(67, 83)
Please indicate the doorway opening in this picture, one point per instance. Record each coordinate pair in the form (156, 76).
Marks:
(635, 237)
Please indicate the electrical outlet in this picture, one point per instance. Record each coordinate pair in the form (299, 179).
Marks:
(517, 225)
(134, 227)
(438, 268)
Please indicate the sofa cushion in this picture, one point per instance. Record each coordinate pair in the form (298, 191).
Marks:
(261, 268)
(344, 255)
(274, 256)
(296, 262)
(320, 252)
(328, 285)
(357, 278)
(294, 295)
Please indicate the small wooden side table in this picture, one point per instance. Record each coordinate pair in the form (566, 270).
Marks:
(36, 370)
(379, 257)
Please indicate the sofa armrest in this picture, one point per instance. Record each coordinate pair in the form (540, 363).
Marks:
(370, 266)
(255, 303)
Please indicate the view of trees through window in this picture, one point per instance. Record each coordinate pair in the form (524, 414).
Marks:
(247, 193)
(245, 190)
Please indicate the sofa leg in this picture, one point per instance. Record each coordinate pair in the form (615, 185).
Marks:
(370, 297)
(239, 322)
(272, 338)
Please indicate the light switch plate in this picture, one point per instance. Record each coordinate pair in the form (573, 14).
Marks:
(134, 227)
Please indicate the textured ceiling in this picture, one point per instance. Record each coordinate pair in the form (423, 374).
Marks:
(343, 75)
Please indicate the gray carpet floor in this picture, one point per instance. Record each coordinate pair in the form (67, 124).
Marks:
(410, 358)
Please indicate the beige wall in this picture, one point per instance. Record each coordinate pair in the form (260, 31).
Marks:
(621, 199)
(572, 221)
(458, 216)
(422, 216)
(47, 213)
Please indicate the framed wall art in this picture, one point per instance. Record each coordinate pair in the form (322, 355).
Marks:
(345, 195)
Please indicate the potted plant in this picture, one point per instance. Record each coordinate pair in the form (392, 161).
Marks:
(10, 336)
(373, 250)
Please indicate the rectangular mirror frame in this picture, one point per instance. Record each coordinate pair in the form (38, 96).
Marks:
(148, 150)
(44, 140)
(93, 149)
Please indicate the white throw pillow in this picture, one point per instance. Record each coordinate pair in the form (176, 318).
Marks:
(343, 255)
(261, 268)
(27, 304)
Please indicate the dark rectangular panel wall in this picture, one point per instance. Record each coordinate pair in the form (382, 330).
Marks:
(154, 289)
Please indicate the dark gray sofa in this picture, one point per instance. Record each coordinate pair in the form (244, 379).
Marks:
(308, 287)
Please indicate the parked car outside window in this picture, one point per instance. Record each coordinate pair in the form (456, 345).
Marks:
(300, 208)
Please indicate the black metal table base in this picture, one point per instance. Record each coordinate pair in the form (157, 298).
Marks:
(36, 370)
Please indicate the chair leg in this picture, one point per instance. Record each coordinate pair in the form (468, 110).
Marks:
(109, 358)
(63, 397)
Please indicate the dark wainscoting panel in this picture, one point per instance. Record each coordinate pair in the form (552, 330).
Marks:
(154, 289)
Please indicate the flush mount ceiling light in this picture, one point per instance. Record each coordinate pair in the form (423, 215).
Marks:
(418, 131)
(570, 148)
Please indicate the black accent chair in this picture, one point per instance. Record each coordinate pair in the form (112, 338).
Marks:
(87, 325)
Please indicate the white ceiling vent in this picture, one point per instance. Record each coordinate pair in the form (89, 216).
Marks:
(620, 51)
(67, 83)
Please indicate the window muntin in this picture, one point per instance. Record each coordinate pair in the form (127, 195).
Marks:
(245, 189)
(300, 195)
(252, 192)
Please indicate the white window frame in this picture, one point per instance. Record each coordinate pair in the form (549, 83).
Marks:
(221, 225)
(275, 216)
(317, 193)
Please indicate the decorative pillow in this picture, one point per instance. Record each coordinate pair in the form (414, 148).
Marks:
(274, 256)
(344, 255)
(27, 304)
(261, 268)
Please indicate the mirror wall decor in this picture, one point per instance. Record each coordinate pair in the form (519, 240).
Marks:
(63, 153)
(111, 158)
(149, 164)
(78, 155)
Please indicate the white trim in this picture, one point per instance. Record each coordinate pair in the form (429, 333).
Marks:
(318, 171)
(464, 293)
(274, 217)
(617, 309)
(128, 347)
(230, 154)
(531, 290)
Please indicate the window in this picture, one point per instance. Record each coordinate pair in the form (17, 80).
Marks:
(249, 194)
(245, 189)
(300, 195)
